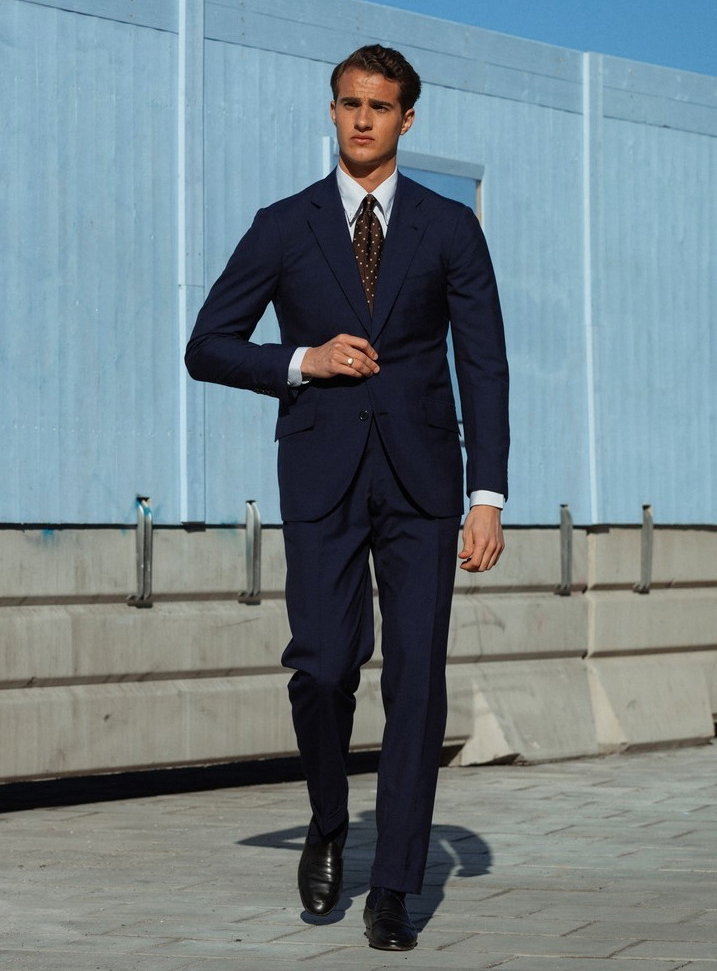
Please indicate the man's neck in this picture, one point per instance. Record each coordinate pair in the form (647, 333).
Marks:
(369, 180)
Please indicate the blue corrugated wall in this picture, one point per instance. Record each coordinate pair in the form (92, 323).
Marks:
(139, 139)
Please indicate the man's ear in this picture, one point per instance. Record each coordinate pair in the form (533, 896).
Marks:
(332, 109)
(407, 120)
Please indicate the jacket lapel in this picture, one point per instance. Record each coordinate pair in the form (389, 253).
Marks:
(328, 224)
(405, 231)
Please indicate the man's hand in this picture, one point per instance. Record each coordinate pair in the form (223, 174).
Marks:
(482, 539)
(351, 356)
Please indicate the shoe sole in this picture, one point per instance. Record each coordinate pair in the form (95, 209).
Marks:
(390, 947)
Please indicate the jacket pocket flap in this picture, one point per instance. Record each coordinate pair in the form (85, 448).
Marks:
(295, 420)
(440, 413)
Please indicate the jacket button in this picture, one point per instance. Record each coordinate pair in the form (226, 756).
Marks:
(363, 415)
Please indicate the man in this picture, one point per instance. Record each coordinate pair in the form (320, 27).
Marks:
(365, 269)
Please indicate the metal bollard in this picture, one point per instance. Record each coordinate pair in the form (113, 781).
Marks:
(648, 524)
(143, 597)
(564, 588)
(252, 594)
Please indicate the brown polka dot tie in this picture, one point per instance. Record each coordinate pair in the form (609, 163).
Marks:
(368, 243)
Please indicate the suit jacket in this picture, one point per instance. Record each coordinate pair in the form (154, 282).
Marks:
(435, 268)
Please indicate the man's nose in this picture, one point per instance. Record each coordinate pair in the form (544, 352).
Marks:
(363, 118)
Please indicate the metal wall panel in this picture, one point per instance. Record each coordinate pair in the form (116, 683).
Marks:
(656, 345)
(149, 13)
(88, 268)
(652, 95)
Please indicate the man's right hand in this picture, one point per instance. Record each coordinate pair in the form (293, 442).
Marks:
(344, 354)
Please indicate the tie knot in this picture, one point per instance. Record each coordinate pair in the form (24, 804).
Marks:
(369, 203)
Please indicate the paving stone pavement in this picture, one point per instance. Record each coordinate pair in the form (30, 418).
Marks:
(594, 865)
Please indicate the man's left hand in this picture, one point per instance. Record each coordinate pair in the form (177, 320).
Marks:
(482, 539)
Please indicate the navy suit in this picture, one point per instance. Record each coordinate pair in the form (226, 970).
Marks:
(369, 465)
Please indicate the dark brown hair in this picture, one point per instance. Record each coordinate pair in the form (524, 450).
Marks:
(375, 59)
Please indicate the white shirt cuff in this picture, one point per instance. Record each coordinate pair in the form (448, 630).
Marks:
(482, 497)
(295, 378)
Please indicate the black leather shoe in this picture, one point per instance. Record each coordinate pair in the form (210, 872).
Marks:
(388, 926)
(321, 871)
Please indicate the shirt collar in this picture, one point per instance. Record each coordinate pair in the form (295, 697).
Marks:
(352, 194)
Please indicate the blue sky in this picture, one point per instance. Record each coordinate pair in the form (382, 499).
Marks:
(676, 33)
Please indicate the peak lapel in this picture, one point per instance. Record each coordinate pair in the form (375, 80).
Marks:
(405, 231)
(328, 224)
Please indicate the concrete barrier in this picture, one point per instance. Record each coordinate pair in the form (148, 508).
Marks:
(90, 684)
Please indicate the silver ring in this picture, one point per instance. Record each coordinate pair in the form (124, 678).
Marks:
(349, 361)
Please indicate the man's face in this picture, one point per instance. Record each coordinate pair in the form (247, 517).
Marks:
(369, 121)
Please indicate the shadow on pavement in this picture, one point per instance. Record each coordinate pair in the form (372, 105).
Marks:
(455, 853)
(111, 786)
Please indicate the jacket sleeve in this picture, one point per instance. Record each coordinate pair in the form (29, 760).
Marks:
(480, 356)
(220, 349)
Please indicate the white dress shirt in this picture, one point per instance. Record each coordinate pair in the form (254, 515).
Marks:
(352, 196)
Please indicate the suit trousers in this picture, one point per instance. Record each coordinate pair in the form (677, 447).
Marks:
(330, 606)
